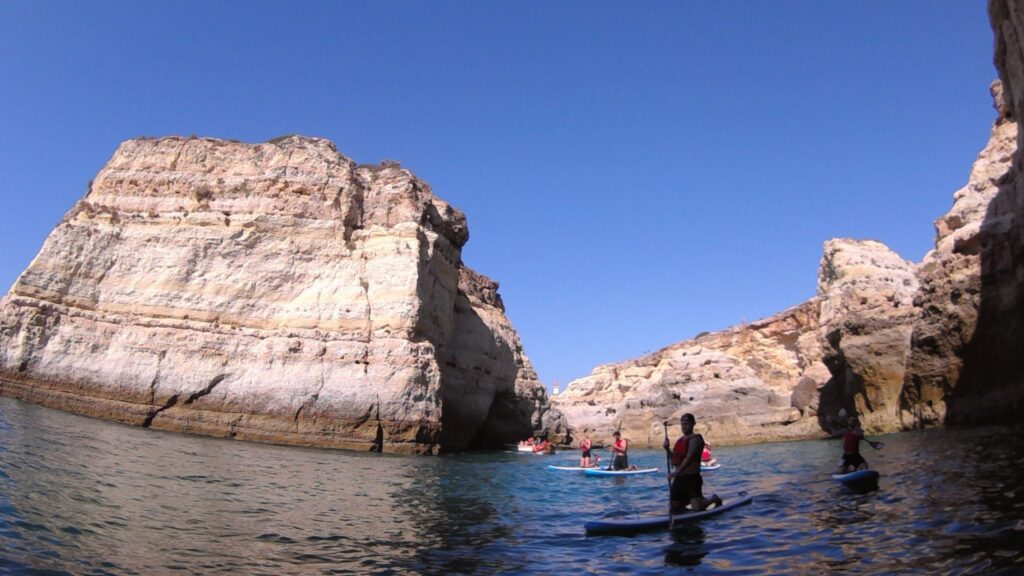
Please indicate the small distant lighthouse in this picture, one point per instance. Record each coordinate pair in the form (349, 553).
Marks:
(554, 388)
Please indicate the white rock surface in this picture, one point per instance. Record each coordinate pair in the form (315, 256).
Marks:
(275, 292)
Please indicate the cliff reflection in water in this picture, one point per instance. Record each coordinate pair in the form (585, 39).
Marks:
(86, 496)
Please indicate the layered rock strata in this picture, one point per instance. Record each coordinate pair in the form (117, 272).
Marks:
(750, 383)
(274, 292)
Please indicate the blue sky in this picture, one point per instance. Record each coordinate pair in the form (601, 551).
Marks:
(633, 173)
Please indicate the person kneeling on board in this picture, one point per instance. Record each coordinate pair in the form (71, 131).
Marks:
(687, 484)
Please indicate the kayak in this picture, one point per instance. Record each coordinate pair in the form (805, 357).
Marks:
(529, 450)
(704, 468)
(607, 472)
(649, 523)
(859, 480)
(570, 468)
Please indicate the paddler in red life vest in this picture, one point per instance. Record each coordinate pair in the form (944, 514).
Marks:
(705, 456)
(851, 448)
(687, 484)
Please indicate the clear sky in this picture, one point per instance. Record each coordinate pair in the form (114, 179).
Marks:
(633, 173)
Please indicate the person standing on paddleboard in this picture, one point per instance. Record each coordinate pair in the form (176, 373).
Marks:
(687, 483)
(585, 449)
(620, 449)
(851, 447)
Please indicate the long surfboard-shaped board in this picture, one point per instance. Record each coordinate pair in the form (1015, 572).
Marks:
(606, 472)
(859, 480)
(650, 523)
(570, 468)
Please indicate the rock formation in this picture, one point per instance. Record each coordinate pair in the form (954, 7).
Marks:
(274, 292)
(905, 345)
(952, 292)
(865, 317)
(991, 384)
(750, 383)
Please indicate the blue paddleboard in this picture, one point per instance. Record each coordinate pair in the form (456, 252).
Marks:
(649, 523)
(606, 472)
(859, 480)
(569, 468)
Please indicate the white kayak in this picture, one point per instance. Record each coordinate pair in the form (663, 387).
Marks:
(704, 468)
(607, 472)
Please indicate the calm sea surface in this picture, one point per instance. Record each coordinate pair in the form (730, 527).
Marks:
(84, 496)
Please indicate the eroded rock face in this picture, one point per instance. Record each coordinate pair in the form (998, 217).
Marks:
(274, 292)
(751, 383)
(991, 384)
(905, 345)
(866, 317)
(951, 276)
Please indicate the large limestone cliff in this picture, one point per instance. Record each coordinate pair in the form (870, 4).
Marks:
(991, 385)
(905, 345)
(866, 317)
(952, 293)
(274, 292)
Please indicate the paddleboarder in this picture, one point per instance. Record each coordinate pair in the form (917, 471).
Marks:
(620, 449)
(585, 449)
(851, 447)
(705, 455)
(687, 483)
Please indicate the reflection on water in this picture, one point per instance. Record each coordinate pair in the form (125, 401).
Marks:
(85, 496)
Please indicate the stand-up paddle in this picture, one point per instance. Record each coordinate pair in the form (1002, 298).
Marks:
(668, 464)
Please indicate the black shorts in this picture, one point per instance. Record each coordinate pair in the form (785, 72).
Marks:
(853, 460)
(586, 453)
(686, 488)
(621, 462)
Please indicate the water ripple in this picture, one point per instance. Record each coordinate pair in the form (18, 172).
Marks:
(83, 496)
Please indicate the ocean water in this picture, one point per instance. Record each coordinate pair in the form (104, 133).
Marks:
(83, 496)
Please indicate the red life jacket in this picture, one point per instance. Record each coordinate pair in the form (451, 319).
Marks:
(679, 451)
(851, 442)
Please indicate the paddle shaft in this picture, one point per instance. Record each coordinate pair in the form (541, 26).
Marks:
(668, 466)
